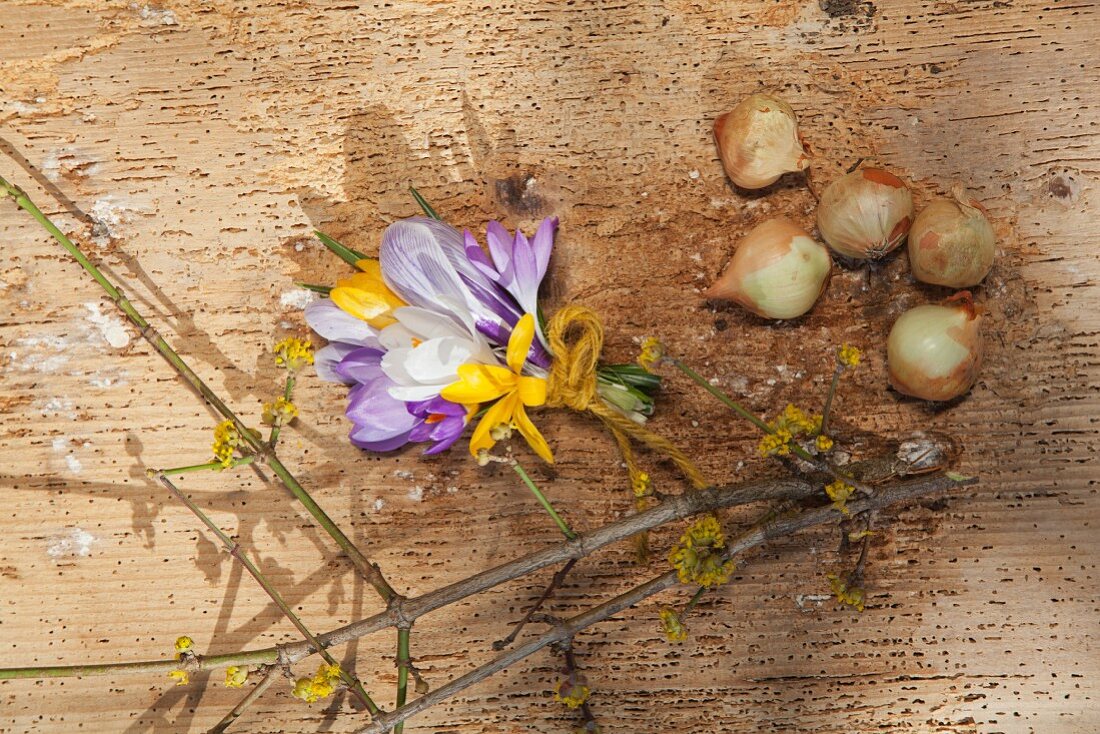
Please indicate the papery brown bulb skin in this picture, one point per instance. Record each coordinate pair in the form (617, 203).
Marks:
(865, 214)
(934, 352)
(952, 243)
(758, 141)
(777, 272)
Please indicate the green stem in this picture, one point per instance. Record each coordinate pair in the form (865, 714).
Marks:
(208, 466)
(403, 663)
(288, 391)
(729, 402)
(428, 210)
(794, 447)
(367, 569)
(562, 525)
(197, 663)
(827, 410)
(235, 550)
(693, 601)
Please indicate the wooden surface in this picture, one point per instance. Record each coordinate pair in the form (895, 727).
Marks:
(201, 142)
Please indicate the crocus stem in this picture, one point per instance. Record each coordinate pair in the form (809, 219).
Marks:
(403, 663)
(288, 392)
(209, 466)
(235, 550)
(795, 448)
(256, 692)
(827, 410)
(367, 569)
(562, 525)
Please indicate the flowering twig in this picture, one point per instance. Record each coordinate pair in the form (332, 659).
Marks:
(367, 569)
(572, 671)
(234, 549)
(277, 425)
(740, 410)
(209, 466)
(781, 526)
(257, 691)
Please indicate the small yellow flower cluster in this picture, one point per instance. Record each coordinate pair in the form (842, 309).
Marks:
(776, 444)
(652, 351)
(797, 421)
(182, 677)
(823, 443)
(848, 356)
(672, 625)
(571, 694)
(293, 353)
(235, 676)
(858, 535)
(641, 484)
(282, 411)
(226, 439)
(183, 644)
(839, 492)
(698, 558)
(845, 594)
(321, 685)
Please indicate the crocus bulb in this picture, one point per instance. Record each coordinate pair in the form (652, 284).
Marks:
(865, 214)
(951, 242)
(778, 271)
(935, 352)
(758, 141)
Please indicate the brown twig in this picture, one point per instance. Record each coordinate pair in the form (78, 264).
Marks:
(780, 526)
(550, 588)
(256, 692)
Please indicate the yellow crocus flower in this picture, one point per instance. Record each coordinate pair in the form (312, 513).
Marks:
(366, 296)
(482, 383)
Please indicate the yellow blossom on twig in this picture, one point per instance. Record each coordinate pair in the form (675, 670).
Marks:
(855, 536)
(697, 558)
(571, 694)
(641, 484)
(321, 685)
(776, 444)
(235, 676)
(845, 593)
(824, 443)
(839, 492)
(282, 411)
(652, 351)
(293, 353)
(226, 439)
(182, 677)
(848, 356)
(672, 625)
(184, 644)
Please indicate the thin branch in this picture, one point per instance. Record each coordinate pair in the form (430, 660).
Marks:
(779, 527)
(257, 691)
(235, 550)
(369, 571)
(555, 582)
(404, 662)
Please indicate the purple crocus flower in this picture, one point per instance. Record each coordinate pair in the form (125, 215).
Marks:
(381, 422)
(442, 422)
(518, 265)
(426, 263)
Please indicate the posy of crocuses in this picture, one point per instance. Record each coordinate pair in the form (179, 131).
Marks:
(437, 331)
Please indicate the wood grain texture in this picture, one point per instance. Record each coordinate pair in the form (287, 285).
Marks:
(198, 143)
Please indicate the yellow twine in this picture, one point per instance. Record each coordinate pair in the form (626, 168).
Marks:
(575, 334)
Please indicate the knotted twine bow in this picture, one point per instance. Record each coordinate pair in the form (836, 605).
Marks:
(575, 334)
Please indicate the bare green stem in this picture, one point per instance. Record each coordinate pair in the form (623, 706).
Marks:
(235, 550)
(827, 410)
(562, 525)
(208, 466)
(404, 661)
